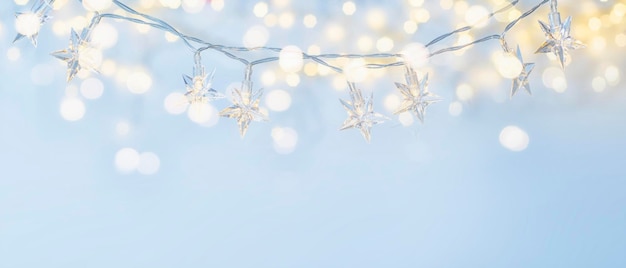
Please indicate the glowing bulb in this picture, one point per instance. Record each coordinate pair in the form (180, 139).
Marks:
(291, 59)
(28, 24)
(508, 65)
(514, 138)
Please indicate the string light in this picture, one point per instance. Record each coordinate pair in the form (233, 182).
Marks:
(84, 53)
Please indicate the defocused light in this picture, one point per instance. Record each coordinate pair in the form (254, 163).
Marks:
(310, 69)
(292, 79)
(384, 44)
(126, 160)
(598, 84)
(139, 82)
(376, 19)
(97, 5)
(421, 15)
(309, 21)
(149, 163)
(464, 92)
(175, 103)
(91, 88)
(217, 5)
(201, 113)
(193, 6)
(291, 59)
(72, 109)
(260, 9)
(392, 102)
(89, 57)
(21, 2)
(173, 4)
(612, 75)
(507, 64)
(365, 43)
(28, 24)
(335, 32)
(256, 36)
(286, 20)
(455, 108)
(477, 16)
(355, 71)
(410, 27)
(349, 8)
(416, 54)
(514, 138)
(278, 100)
(104, 36)
(285, 140)
(270, 20)
(416, 3)
(122, 128)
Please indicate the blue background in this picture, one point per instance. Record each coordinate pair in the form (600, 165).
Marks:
(441, 194)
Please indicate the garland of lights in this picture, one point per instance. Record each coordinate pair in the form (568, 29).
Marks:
(361, 114)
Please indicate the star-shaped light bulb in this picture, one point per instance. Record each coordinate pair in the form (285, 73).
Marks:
(416, 96)
(558, 39)
(521, 82)
(79, 55)
(361, 113)
(29, 23)
(245, 108)
(199, 89)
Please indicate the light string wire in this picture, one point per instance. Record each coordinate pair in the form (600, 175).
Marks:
(321, 58)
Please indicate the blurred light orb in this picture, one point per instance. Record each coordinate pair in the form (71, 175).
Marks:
(149, 163)
(139, 82)
(217, 5)
(384, 44)
(199, 112)
(173, 4)
(286, 20)
(598, 84)
(355, 71)
(376, 19)
(335, 32)
(89, 57)
(268, 78)
(410, 27)
(477, 16)
(256, 36)
(507, 64)
(126, 160)
(349, 8)
(260, 9)
(285, 139)
(104, 36)
(28, 24)
(309, 21)
(291, 59)
(464, 92)
(91, 88)
(612, 75)
(193, 6)
(391, 102)
(175, 103)
(514, 138)
(72, 109)
(292, 79)
(278, 100)
(455, 108)
(365, 43)
(97, 5)
(416, 54)
(21, 2)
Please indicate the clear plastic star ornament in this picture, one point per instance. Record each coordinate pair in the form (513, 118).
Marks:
(558, 39)
(79, 55)
(521, 82)
(245, 108)
(416, 96)
(29, 23)
(361, 113)
(199, 89)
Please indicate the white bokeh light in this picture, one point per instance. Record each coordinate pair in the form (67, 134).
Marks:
(149, 163)
(91, 88)
(139, 82)
(291, 59)
(416, 54)
(514, 138)
(72, 109)
(97, 5)
(104, 36)
(285, 139)
(256, 36)
(28, 24)
(175, 103)
(278, 100)
(126, 160)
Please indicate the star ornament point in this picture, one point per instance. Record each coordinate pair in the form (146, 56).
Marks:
(521, 82)
(245, 108)
(416, 97)
(558, 40)
(361, 113)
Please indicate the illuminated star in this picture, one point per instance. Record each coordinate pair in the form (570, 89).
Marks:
(29, 23)
(77, 55)
(559, 40)
(245, 108)
(361, 113)
(416, 95)
(522, 80)
(199, 89)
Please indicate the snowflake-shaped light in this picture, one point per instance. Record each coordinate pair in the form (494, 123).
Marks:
(245, 108)
(416, 96)
(558, 39)
(29, 23)
(79, 55)
(199, 89)
(361, 113)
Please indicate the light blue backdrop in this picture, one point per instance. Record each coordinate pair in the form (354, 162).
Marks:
(442, 194)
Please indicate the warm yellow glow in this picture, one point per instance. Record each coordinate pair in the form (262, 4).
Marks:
(507, 64)
(291, 59)
(384, 44)
(28, 24)
(260, 9)
(97, 5)
(477, 16)
(278, 100)
(349, 8)
(309, 21)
